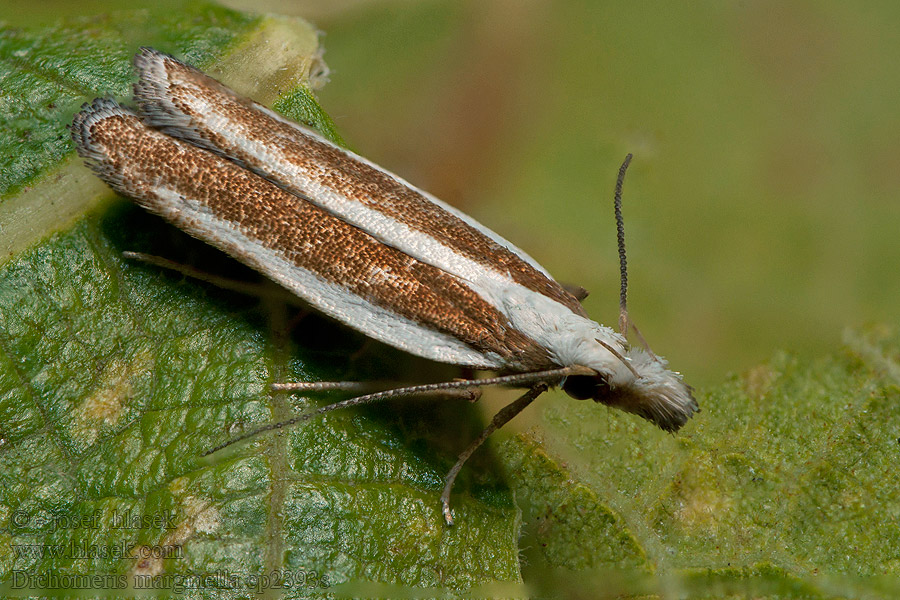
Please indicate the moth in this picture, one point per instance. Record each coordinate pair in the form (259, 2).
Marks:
(364, 247)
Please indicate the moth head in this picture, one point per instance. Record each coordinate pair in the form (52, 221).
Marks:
(641, 385)
(632, 380)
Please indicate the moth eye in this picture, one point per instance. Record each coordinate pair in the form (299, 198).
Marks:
(584, 387)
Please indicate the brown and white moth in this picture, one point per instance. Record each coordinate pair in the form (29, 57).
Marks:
(363, 246)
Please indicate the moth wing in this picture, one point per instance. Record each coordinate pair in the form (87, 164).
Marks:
(183, 102)
(336, 267)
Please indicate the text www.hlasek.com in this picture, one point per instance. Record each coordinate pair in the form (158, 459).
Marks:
(83, 550)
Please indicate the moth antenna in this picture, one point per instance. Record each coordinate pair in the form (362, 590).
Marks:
(624, 322)
(548, 377)
(620, 236)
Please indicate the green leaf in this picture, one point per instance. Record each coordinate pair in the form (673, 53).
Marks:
(783, 486)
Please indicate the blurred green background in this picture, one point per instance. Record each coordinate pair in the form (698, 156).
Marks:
(762, 207)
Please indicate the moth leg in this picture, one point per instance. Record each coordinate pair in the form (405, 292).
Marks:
(251, 289)
(468, 374)
(576, 290)
(504, 416)
(539, 381)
